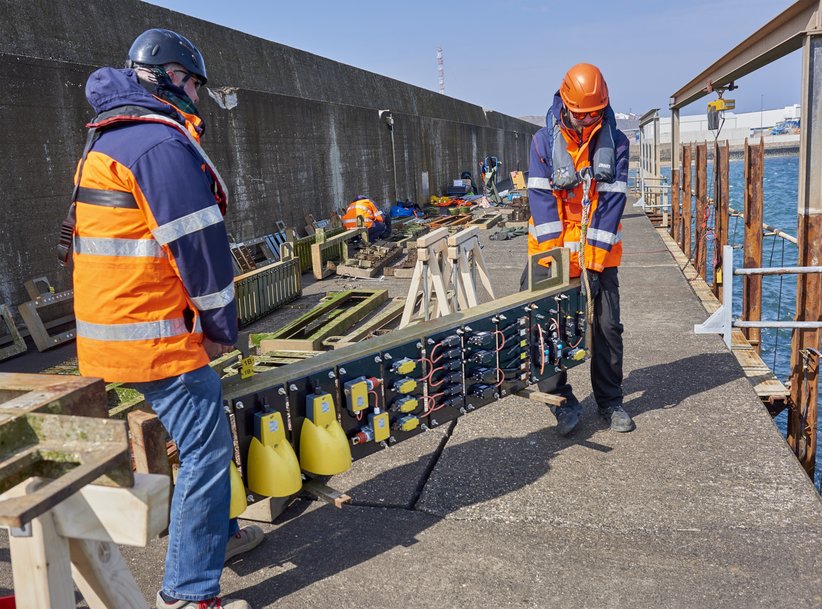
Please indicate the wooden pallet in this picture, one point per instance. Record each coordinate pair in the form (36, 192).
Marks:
(367, 269)
(46, 312)
(11, 343)
(322, 246)
(262, 291)
(335, 315)
(405, 269)
(450, 221)
(486, 221)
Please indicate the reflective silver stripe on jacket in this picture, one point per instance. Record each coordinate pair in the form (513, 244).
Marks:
(571, 245)
(544, 183)
(217, 300)
(132, 248)
(615, 187)
(603, 236)
(547, 228)
(187, 224)
(147, 330)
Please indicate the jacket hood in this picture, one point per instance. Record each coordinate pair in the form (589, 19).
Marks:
(109, 88)
(555, 110)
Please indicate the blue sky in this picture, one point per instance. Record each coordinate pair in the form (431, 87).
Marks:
(510, 55)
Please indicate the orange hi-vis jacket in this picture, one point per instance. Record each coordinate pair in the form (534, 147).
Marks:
(556, 214)
(152, 267)
(361, 207)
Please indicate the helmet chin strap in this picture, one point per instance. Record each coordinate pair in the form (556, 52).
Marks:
(156, 81)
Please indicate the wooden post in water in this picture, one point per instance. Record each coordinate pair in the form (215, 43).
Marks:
(722, 197)
(675, 197)
(687, 204)
(702, 211)
(809, 229)
(752, 284)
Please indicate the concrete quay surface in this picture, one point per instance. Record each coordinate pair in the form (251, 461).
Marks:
(702, 506)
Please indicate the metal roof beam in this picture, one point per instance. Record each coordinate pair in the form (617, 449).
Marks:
(780, 36)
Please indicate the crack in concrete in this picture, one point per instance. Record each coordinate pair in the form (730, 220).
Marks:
(426, 475)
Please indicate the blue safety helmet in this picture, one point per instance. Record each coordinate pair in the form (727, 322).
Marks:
(157, 47)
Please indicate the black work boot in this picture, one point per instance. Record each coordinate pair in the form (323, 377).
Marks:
(617, 418)
(568, 417)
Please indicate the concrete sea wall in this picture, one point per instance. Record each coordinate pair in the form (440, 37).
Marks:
(292, 133)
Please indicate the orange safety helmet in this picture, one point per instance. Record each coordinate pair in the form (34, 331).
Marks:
(583, 89)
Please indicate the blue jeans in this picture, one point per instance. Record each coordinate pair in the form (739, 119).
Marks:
(190, 406)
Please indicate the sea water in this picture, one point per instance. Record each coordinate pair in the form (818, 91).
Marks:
(780, 196)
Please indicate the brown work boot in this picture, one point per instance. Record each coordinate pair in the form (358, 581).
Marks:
(212, 603)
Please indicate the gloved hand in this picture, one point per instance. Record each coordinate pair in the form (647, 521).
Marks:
(593, 281)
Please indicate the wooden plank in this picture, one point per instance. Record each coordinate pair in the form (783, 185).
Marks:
(541, 396)
(40, 563)
(103, 576)
(97, 512)
(687, 200)
(676, 197)
(724, 206)
(326, 493)
(752, 284)
(53, 393)
(148, 443)
(702, 210)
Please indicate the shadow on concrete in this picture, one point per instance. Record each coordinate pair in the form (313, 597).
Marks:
(323, 542)
(667, 385)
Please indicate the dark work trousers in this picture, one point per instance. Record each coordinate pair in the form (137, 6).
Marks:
(606, 357)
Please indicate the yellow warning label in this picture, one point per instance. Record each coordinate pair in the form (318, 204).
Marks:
(247, 367)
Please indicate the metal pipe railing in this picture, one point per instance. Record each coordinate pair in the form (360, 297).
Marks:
(779, 270)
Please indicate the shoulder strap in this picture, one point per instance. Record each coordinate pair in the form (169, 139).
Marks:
(64, 243)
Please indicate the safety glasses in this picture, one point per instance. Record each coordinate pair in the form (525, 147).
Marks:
(580, 116)
(189, 76)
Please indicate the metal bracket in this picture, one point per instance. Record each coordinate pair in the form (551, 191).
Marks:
(721, 321)
(23, 531)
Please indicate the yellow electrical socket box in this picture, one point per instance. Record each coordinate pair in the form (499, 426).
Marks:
(406, 385)
(322, 409)
(409, 423)
(720, 105)
(357, 395)
(405, 366)
(271, 429)
(578, 355)
(523, 343)
(408, 405)
(382, 426)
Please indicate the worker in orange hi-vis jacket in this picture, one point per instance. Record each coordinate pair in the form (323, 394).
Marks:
(577, 188)
(372, 218)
